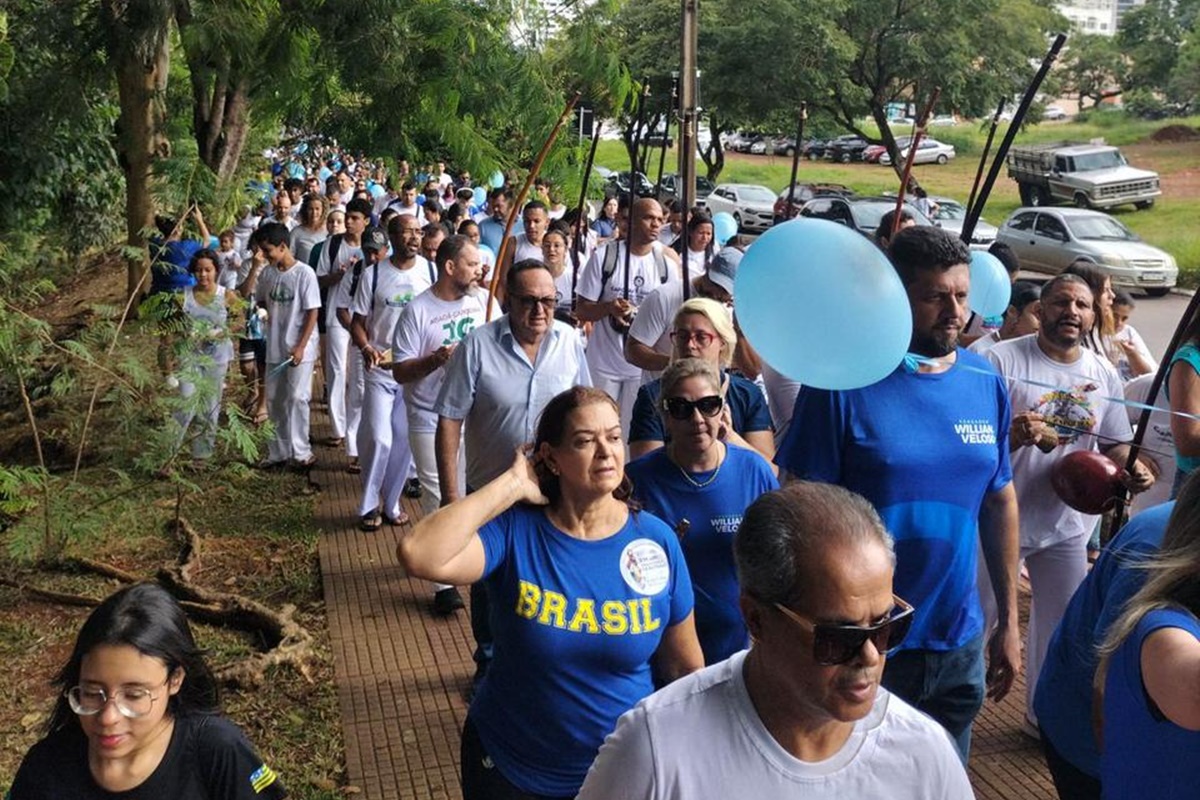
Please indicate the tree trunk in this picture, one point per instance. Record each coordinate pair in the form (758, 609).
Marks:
(139, 50)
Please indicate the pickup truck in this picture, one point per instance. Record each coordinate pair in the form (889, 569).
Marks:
(1088, 175)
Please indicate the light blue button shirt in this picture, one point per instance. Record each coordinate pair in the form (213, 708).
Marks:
(492, 386)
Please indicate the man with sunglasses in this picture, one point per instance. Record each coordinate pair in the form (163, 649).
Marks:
(801, 713)
(928, 446)
(497, 381)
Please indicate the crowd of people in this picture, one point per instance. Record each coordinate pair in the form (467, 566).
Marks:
(599, 454)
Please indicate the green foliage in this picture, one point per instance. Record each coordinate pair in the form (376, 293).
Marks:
(1095, 67)
(1160, 39)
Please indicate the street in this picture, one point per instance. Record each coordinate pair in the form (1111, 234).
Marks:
(1155, 319)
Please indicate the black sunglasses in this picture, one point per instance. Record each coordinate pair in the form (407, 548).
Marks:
(527, 302)
(682, 409)
(835, 644)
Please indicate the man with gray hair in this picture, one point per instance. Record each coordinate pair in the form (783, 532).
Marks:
(802, 711)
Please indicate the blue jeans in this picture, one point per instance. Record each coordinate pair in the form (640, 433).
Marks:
(946, 685)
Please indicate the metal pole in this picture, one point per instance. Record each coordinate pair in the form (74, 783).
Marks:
(689, 24)
(987, 148)
(787, 212)
(667, 112)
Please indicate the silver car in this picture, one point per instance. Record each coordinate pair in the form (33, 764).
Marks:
(1050, 239)
(951, 215)
(752, 206)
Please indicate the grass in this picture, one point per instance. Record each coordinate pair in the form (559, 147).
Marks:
(1167, 225)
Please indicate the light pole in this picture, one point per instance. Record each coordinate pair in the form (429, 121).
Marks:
(689, 24)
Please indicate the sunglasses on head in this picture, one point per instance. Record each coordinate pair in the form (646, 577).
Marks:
(835, 644)
(681, 409)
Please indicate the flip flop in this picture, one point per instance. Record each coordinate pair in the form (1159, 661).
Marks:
(394, 521)
(370, 522)
(354, 468)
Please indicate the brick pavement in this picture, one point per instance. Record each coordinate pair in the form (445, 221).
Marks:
(403, 674)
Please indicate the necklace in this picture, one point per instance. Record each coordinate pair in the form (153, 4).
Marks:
(687, 476)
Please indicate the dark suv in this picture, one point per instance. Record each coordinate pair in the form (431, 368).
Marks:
(669, 188)
(804, 193)
(845, 149)
(860, 213)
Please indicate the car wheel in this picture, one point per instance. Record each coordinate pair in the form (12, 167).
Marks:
(1142, 205)
(942, 159)
(812, 156)
(1081, 200)
(845, 159)
(1158, 291)
(737, 218)
(790, 152)
(1027, 194)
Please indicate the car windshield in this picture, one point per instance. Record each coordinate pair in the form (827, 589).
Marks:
(704, 185)
(1100, 227)
(867, 215)
(757, 194)
(1105, 159)
(948, 210)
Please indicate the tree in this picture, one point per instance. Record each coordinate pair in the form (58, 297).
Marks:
(1095, 68)
(1159, 39)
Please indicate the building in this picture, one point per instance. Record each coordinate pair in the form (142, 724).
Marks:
(1093, 16)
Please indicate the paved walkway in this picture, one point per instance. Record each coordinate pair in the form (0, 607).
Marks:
(403, 673)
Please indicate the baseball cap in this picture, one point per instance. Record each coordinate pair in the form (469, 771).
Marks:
(722, 270)
(373, 238)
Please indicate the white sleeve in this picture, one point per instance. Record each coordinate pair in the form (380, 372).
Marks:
(590, 287)
(624, 767)
(1114, 419)
(310, 292)
(362, 301)
(1140, 345)
(651, 319)
(322, 265)
(406, 341)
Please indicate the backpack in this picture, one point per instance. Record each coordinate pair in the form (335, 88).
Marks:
(609, 266)
(333, 244)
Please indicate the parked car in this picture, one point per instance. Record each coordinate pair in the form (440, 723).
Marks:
(784, 146)
(759, 147)
(873, 152)
(860, 213)
(1050, 239)
(943, 120)
(618, 183)
(742, 141)
(845, 149)
(804, 193)
(814, 149)
(951, 215)
(1054, 113)
(752, 206)
(669, 188)
(929, 151)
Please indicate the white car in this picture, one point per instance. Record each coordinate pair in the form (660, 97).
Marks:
(752, 206)
(929, 151)
(1054, 113)
(951, 215)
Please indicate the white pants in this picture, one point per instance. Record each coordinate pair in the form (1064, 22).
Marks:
(210, 381)
(624, 391)
(383, 450)
(288, 394)
(337, 348)
(354, 401)
(1055, 572)
(424, 455)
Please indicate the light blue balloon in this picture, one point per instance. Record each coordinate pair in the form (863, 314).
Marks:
(325, 174)
(822, 304)
(377, 189)
(479, 195)
(991, 289)
(725, 227)
(497, 179)
(490, 233)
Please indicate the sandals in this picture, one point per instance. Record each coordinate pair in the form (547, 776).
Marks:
(370, 522)
(394, 521)
(354, 468)
(304, 463)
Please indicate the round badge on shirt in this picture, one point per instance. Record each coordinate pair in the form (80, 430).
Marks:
(644, 567)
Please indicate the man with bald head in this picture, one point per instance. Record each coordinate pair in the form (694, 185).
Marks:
(612, 285)
(802, 712)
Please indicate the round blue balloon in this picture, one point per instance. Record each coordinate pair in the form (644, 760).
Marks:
(497, 179)
(325, 174)
(376, 189)
(991, 288)
(479, 195)
(725, 227)
(490, 233)
(823, 305)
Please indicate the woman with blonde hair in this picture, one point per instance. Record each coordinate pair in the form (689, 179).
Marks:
(703, 329)
(311, 229)
(1149, 665)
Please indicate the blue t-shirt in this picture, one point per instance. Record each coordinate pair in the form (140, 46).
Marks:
(1063, 699)
(1145, 754)
(924, 449)
(747, 406)
(170, 272)
(714, 513)
(575, 623)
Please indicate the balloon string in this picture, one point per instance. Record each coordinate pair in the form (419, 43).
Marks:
(912, 360)
(1113, 439)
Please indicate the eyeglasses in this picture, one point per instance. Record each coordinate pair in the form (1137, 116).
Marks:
(527, 302)
(683, 336)
(681, 409)
(835, 644)
(134, 702)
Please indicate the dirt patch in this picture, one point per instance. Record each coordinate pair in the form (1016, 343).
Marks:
(1175, 133)
(100, 281)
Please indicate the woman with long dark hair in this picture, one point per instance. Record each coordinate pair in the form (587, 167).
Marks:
(137, 715)
(590, 601)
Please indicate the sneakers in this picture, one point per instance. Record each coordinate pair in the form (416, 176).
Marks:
(413, 488)
(447, 601)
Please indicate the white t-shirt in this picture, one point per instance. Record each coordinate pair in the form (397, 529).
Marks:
(1158, 438)
(429, 322)
(381, 301)
(606, 347)
(1080, 402)
(303, 240)
(652, 325)
(414, 210)
(287, 295)
(701, 737)
(562, 287)
(985, 342)
(346, 254)
(1130, 334)
(697, 261)
(525, 249)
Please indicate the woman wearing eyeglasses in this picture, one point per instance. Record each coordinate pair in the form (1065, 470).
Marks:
(587, 597)
(138, 715)
(703, 329)
(701, 486)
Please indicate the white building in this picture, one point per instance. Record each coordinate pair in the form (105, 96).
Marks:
(1091, 16)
